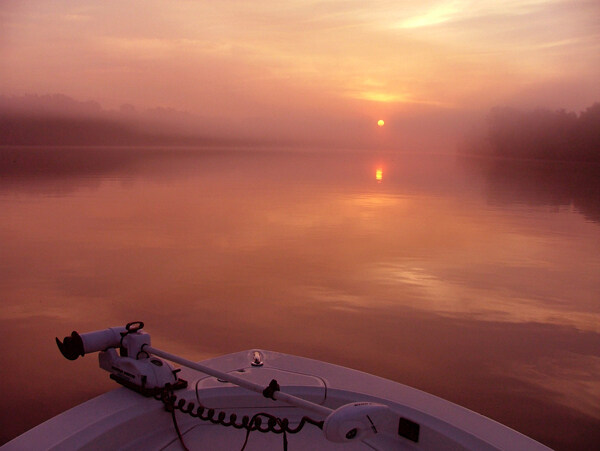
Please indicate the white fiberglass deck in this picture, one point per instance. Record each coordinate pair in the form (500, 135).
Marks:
(123, 419)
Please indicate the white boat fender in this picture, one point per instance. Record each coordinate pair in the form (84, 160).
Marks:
(359, 420)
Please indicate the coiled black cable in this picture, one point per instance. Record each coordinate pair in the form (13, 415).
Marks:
(255, 423)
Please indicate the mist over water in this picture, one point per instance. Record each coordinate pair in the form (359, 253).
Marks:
(473, 278)
(477, 282)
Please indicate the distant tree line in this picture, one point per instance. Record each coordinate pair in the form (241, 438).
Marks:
(57, 130)
(48, 130)
(542, 134)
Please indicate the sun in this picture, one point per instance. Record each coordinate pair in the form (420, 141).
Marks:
(380, 122)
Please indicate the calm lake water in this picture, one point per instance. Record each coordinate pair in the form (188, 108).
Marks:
(475, 280)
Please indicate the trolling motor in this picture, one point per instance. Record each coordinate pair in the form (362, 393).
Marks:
(132, 366)
(141, 367)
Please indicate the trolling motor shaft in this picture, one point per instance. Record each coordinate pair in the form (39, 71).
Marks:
(139, 367)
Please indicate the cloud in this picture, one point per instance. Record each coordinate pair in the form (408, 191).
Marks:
(282, 66)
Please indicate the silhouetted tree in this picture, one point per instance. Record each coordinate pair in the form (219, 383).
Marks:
(544, 134)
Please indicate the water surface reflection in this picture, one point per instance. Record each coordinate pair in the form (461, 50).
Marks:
(418, 276)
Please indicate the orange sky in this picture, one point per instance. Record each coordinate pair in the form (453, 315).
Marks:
(302, 65)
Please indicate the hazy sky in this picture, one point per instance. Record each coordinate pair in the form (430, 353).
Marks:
(305, 63)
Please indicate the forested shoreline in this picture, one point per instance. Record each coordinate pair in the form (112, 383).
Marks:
(539, 134)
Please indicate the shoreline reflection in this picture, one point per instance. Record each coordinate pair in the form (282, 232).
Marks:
(476, 301)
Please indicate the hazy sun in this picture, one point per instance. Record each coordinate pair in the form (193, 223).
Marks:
(380, 122)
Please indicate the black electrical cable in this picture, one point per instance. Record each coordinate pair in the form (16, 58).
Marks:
(273, 424)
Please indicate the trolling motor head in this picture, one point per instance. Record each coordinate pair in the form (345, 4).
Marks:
(132, 366)
(78, 345)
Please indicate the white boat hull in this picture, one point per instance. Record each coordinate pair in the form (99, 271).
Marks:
(123, 419)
